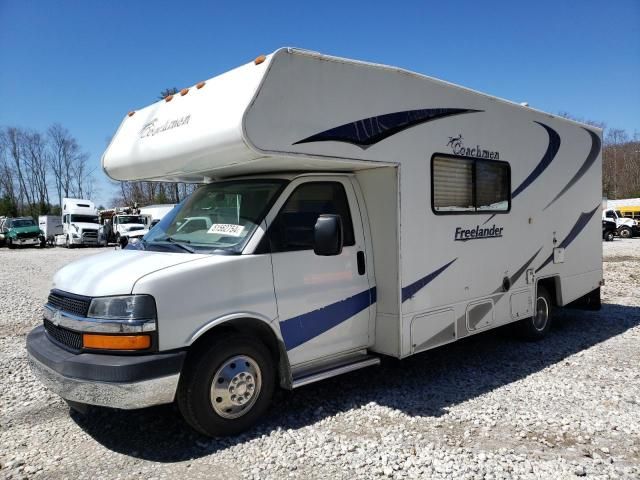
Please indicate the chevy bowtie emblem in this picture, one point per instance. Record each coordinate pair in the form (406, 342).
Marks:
(56, 318)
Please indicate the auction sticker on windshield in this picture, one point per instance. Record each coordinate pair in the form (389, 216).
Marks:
(226, 229)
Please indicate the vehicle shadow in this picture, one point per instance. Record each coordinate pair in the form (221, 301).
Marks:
(423, 385)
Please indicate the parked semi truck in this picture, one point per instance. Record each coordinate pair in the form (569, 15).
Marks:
(80, 224)
(384, 213)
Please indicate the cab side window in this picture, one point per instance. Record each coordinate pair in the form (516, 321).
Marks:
(293, 228)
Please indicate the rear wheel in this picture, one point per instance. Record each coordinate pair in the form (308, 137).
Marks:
(537, 326)
(226, 387)
(10, 243)
(624, 232)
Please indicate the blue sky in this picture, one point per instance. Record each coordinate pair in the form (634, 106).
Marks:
(84, 64)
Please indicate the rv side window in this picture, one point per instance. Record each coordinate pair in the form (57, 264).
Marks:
(293, 228)
(469, 185)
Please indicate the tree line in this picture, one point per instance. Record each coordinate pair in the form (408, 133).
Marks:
(39, 169)
(620, 160)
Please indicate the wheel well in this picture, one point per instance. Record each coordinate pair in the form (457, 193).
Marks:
(552, 285)
(256, 329)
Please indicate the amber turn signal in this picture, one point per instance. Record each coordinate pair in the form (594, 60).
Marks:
(259, 59)
(116, 342)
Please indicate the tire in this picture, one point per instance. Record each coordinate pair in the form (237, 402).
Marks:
(608, 236)
(10, 244)
(67, 243)
(537, 327)
(624, 232)
(206, 396)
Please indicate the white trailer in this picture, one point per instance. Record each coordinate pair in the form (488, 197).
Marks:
(51, 226)
(351, 210)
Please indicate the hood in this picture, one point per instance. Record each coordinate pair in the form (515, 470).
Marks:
(32, 229)
(132, 226)
(135, 233)
(115, 272)
(86, 226)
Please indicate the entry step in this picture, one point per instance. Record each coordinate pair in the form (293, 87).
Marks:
(331, 369)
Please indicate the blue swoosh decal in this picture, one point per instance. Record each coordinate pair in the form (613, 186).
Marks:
(547, 158)
(593, 154)
(410, 290)
(298, 330)
(369, 131)
(514, 278)
(582, 222)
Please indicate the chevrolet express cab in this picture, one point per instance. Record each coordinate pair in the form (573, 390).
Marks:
(348, 211)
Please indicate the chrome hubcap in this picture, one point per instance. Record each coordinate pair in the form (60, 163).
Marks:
(542, 314)
(236, 386)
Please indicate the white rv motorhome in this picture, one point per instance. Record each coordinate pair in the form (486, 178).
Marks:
(80, 225)
(350, 210)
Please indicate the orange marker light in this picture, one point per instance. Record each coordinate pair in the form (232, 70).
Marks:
(131, 113)
(259, 59)
(116, 342)
(200, 85)
(184, 91)
(168, 98)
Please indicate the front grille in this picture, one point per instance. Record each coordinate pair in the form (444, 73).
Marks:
(27, 234)
(63, 336)
(90, 234)
(75, 305)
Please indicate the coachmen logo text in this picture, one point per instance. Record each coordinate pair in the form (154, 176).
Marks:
(478, 233)
(153, 128)
(458, 148)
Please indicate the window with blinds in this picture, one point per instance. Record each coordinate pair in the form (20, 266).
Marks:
(463, 185)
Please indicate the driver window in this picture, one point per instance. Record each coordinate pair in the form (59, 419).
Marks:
(293, 228)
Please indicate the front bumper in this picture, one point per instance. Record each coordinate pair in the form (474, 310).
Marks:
(117, 381)
(27, 241)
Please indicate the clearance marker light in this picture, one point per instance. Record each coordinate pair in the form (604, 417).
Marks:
(184, 91)
(200, 85)
(168, 98)
(259, 59)
(131, 113)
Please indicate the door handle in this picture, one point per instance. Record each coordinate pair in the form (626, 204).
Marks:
(361, 263)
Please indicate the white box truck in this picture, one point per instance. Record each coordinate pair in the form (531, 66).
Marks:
(350, 211)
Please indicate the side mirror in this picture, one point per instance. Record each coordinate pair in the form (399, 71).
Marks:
(327, 235)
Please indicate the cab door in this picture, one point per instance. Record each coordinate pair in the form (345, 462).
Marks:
(323, 302)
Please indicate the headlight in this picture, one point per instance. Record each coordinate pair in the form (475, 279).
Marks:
(129, 307)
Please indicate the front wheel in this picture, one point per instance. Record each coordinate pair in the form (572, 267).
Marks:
(227, 387)
(10, 243)
(609, 236)
(537, 326)
(624, 232)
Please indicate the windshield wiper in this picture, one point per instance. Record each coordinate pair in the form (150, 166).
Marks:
(177, 243)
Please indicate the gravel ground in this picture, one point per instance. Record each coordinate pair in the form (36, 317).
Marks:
(487, 407)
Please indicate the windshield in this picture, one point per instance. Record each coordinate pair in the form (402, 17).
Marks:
(130, 219)
(23, 222)
(84, 219)
(218, 216)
